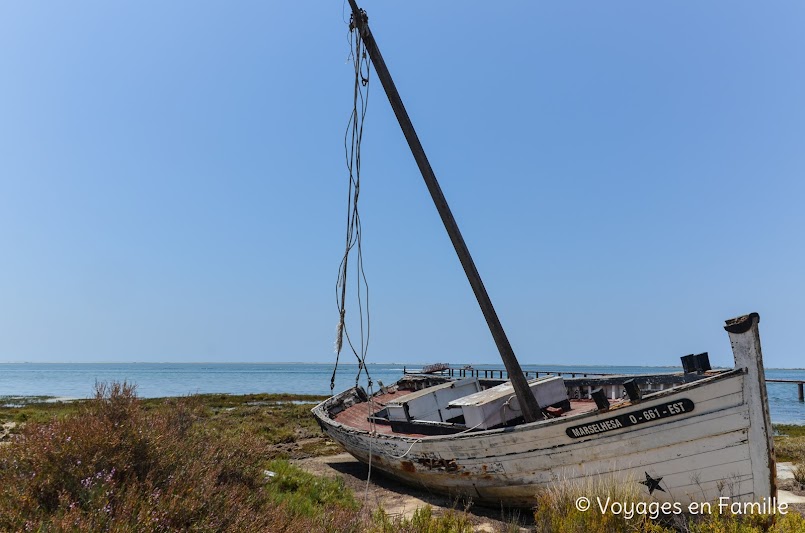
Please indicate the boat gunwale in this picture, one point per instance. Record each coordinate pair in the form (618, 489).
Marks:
(320, 412)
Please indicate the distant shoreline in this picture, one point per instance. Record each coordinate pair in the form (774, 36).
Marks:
(22, 401)
(412, 365)
(171, 380)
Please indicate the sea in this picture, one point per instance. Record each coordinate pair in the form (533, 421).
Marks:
(155, 380)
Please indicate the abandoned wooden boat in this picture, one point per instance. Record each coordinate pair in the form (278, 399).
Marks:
(693, 442)
(705, 436)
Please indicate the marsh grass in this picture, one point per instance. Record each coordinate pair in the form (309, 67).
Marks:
(34, 409)
(305, 494)
(556, 511)
(728, 523)
(120, 463)
(115, 463)
(789, 443)
(281, 421)
(556, 508)
(799, 473)
(424, 520)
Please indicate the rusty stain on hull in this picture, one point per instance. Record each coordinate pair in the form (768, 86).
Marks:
(508, 464)
(448, 465)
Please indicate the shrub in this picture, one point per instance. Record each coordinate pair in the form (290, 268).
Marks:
(422, 521)
(728, 523)
(116, 466)
(799, 472)
(556, 507)
(556, 511)
(789, 442)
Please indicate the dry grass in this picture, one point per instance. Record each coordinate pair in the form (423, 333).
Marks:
(119, 463)
(556, 511)
(114, 465)
(556, 508)
(424, 520)
(799, 473)
(789, 444)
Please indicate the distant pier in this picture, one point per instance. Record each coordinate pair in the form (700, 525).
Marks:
(799, 383)
(577, 376)
(490, 373)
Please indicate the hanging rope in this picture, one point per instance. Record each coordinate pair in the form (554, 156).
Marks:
(352, 152)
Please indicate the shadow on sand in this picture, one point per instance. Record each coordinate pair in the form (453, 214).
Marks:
(397, 498)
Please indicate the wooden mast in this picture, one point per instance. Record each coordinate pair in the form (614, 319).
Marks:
(528, 403)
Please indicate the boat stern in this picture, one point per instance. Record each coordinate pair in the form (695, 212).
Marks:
(745, 340)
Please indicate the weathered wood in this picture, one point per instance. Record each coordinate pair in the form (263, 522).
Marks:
(745, 340)
(702, 361)
(530, 408)
(701, 455)
(706, 438)
(702, 436)
(633, 390)
(600, 398)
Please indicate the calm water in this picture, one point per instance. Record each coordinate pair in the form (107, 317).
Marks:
(166, 379)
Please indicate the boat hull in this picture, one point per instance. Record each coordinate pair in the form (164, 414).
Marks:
(700, 441)
(700, 455)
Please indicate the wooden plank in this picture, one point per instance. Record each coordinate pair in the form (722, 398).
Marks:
(745, 340)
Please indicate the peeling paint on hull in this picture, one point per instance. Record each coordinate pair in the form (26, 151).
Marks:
(718, 444)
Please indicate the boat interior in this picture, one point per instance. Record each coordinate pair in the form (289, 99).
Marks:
(436, 404)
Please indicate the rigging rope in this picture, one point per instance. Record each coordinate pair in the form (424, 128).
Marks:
(352, 152)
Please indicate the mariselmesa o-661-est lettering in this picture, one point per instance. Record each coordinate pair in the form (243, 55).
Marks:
(632, 418)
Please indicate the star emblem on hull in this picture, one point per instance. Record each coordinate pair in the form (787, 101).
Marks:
(652, 484)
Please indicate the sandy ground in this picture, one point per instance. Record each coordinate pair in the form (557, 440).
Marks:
(789, 491)
(402, 500)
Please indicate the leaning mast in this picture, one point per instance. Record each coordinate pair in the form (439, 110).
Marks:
(528, 403)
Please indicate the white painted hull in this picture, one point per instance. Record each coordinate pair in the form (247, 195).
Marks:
(720, 447)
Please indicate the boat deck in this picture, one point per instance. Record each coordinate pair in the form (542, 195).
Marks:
(357, 416)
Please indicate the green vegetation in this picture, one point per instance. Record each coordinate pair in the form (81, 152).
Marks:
(799, 473)
(556, 508)
(271, 419)
(202, 463)
(790, 430)
(222, 463)
(34, 409)
(556, 511)
(423, 521)
(118, 463)
(789, 443)
(280, 421)
(305, 494)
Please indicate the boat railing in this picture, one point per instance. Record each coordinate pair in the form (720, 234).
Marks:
(496, 373)
(661, 380)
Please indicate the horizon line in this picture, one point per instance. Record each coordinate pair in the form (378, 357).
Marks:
(331, 364)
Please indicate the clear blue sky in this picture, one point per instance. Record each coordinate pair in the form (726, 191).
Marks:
(627, 174)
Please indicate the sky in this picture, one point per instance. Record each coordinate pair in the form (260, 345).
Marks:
(627, 175)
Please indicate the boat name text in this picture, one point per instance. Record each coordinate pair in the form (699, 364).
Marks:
(632, 419)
